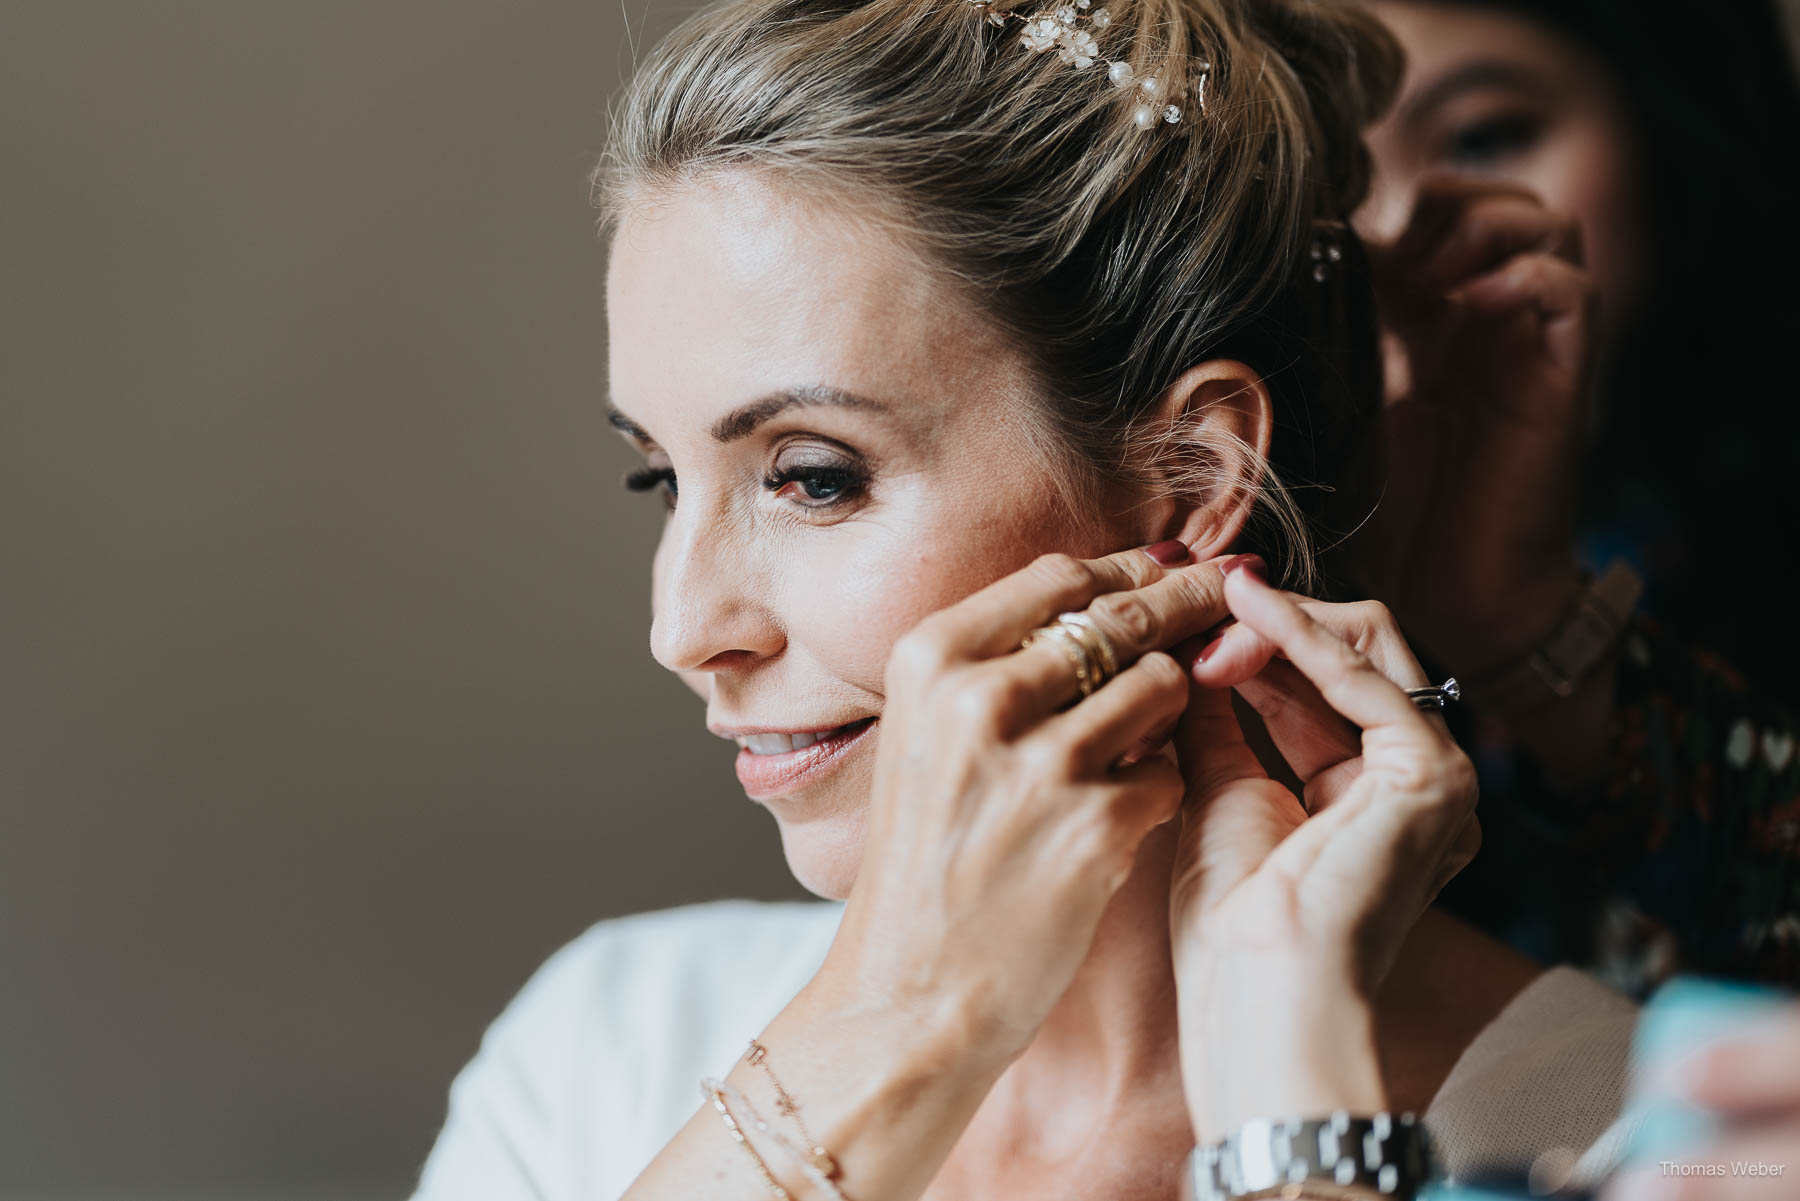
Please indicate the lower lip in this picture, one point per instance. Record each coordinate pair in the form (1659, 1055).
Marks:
(771, 775)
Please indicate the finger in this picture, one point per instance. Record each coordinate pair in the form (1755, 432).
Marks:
(1047, 676)
(1746, 1073)
(1415, 788)
(1344, 676)
(1142, 699)
(995, 620)
(1164, 612)
(1235, 815)
(1441, 200)
(1184, 602)
(1491, 231)
(1210, 744)
(1235, 655)
(1379, 856)
(1241, 652)
(1145, 794)
(1562, 296)
(1311, 736)
(1309, 733)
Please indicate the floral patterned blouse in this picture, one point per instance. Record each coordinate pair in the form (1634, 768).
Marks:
(1687, 858)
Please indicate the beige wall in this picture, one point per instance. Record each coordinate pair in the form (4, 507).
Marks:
(325, 708)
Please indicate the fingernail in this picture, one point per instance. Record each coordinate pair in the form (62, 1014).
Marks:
(1210, 649)
(1172, 553)
(1251, 563)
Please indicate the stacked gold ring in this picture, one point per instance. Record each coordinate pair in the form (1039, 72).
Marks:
(1095, 640)
(1089, 649)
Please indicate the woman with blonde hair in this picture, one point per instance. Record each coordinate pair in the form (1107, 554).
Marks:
(987, 360)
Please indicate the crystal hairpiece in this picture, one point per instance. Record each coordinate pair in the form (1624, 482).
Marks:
(1069, 29)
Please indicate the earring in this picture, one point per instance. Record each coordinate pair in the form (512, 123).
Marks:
(1327, 251)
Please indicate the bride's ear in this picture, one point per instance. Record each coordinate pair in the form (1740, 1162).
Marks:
(1208, 441)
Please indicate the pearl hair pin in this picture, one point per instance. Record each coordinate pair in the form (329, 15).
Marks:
(1068, 30)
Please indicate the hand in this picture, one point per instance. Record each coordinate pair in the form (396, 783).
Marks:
(1001, 820)
(1753, 1081)
(1488, 352)
(1288, 912)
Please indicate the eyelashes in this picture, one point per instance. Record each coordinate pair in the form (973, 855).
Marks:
(815, 485)
(812, 486)
(809, 481)
(650, 479)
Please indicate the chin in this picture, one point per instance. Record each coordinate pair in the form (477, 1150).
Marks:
(825, 853)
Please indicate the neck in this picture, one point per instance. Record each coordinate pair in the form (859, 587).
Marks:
(1106, 1057)
(1116, 1023)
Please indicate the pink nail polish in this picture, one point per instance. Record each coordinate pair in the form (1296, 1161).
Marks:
(1252, 563)
(1172, 553)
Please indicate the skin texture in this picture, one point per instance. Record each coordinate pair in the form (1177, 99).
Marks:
(783, 616)
(777, 614)
(1011, 1007)
(1492, 95)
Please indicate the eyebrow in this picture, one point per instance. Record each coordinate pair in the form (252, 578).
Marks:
(619, 421)
(1483, 73)
(743, 421)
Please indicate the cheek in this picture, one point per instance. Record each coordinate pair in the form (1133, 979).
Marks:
(852, 605)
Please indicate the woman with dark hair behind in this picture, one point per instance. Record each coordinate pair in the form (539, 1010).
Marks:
(1655, 145)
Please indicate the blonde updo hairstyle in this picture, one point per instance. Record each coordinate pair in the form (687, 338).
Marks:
(1118, 256)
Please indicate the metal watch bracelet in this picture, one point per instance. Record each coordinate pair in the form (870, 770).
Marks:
(1383, 1155)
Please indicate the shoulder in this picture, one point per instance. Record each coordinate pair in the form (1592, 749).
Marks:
(596, 1063)
(629, 965)
(1548, 1073)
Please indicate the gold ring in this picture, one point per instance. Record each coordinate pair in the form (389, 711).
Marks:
(1073, 647)
(1094, 638)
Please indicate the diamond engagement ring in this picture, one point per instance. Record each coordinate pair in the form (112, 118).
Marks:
(1434, 699)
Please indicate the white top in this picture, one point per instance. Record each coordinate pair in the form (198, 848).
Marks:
(596, 1064)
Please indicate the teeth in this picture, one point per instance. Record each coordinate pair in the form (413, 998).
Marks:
(779, 744)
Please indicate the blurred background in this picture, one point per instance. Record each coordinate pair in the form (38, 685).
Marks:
(326, 710)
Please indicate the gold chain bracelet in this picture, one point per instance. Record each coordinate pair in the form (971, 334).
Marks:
(741, 1105)
(785, 1105)
(717, 1098)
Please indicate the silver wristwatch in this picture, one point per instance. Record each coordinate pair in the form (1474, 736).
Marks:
(1386, 1155)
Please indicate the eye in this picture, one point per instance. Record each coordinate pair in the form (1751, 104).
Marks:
(815, 478)
(651, 478)
(1490, 141)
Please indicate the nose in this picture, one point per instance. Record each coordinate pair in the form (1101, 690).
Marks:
(712, 610)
